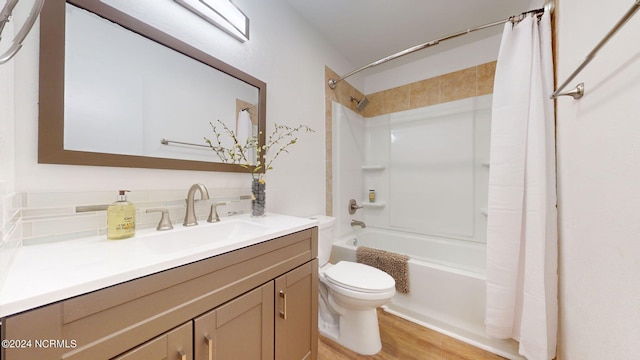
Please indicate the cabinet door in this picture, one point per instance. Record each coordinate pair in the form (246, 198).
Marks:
(239, 329)
(297, 313)
(174, 345)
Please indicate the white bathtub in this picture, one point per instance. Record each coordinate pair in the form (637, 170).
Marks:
(446, 280)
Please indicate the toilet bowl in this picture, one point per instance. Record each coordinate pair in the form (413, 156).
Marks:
(349, 294)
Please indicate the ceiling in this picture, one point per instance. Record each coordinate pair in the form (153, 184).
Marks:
(367, 30)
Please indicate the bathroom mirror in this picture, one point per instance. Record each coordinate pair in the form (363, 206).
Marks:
(117, 92)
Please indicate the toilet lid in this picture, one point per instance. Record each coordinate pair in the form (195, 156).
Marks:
(359, 277)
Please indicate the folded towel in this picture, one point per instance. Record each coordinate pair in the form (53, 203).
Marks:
(396, 265)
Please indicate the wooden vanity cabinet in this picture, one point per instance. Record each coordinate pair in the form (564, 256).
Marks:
(258, 302)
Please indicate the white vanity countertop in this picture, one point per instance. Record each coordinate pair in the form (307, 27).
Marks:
(43, 274)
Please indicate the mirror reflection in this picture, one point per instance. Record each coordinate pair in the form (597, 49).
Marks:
(134, 96)
(124, 93)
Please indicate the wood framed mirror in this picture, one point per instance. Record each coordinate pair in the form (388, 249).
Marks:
(101, 103)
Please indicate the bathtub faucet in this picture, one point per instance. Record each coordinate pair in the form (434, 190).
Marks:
(358, 223)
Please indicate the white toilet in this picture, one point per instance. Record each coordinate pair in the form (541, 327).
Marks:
(348, 297)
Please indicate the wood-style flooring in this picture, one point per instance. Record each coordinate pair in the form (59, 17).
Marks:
(404, 340)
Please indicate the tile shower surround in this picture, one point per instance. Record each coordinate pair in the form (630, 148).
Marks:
(462, 84)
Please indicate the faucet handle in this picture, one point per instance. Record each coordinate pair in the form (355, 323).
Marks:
(165, 221)
(353, 206)
(213, 214)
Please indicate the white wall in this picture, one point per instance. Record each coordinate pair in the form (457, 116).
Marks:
(7, 124)
(9, 233)
(283, 51)
(598, 139)
(466, 56)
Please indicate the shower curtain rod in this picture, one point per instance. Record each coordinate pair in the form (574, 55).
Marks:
(548, 6)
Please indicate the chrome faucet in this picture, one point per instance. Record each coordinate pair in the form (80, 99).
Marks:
(190, 218)
(358, 223)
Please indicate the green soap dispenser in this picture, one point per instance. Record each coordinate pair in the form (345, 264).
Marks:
(121, 218)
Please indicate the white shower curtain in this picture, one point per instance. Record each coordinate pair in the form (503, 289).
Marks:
(522, 219)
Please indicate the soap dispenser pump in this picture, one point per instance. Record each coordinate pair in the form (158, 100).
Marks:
(121, 218)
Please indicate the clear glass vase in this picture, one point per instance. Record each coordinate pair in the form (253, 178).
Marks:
(258, 198)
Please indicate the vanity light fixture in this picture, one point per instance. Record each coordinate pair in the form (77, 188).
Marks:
(224, 14)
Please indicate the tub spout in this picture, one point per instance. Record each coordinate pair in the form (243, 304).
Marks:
(358, 223)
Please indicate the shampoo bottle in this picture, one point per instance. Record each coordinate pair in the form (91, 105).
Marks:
(121, 218)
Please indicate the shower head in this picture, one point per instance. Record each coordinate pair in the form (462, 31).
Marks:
(360, 104)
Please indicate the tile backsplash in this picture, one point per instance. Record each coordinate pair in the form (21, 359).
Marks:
(43, 217)
(58, 216)
(10, 235)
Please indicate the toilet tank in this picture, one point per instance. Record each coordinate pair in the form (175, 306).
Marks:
(325, 237)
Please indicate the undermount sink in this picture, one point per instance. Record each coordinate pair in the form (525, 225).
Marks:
(183, 238)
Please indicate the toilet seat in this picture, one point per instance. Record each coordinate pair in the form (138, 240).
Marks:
(359, 277)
